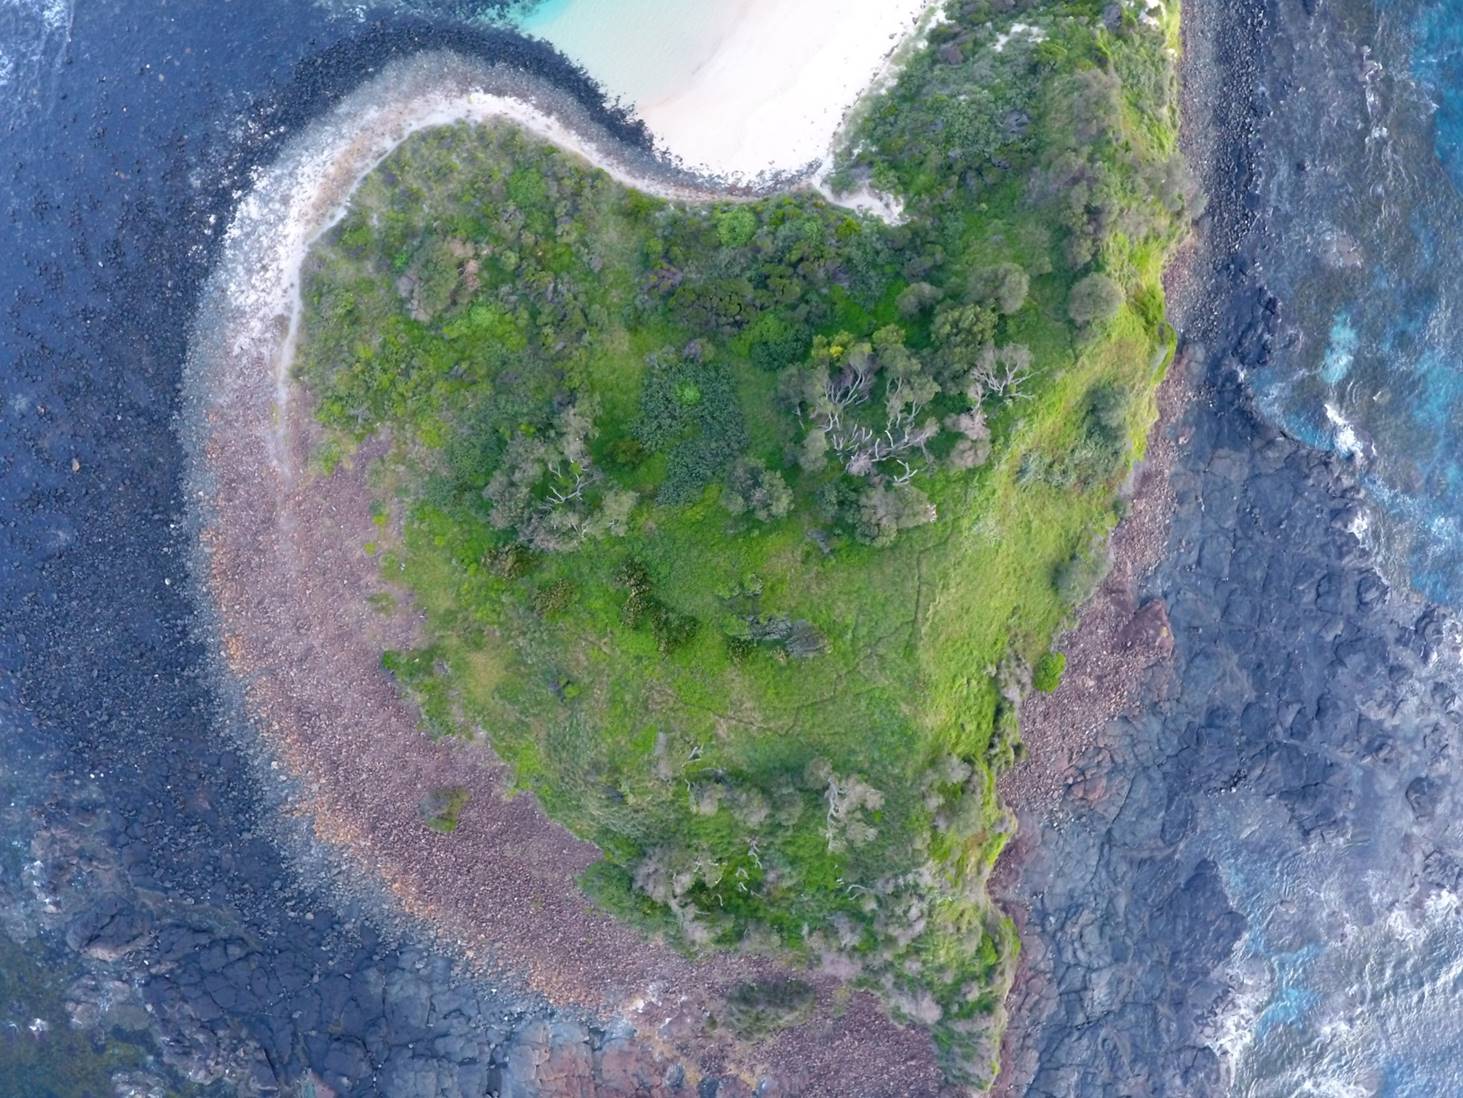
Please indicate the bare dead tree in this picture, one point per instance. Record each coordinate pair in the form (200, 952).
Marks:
(849, 389)
(1002, 372)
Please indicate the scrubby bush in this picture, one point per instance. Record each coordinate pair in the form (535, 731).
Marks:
(1094, 300)
(1078, 576)
(552, 599)
(915, 298)
(1048, 673)
(774, 341)
(1110, 411)
(756, 1008)
(643, 609)
(690, 412)
(736, 226)
(1003, 286)
(752, 488)
(441, 809)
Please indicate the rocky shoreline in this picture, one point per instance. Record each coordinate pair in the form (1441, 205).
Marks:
(1123, 639)
(1304, 717)
(187, 938)
(1307, 712)
(282, 568)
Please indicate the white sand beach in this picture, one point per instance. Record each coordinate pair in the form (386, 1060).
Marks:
(735, 87)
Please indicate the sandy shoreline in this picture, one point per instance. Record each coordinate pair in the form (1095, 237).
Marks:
(763, 90)
(284, 574)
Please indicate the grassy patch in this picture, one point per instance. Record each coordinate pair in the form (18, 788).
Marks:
(441, 809)
(741, 530)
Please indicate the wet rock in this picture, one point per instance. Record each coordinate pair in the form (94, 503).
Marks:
(625, 1067)
(1443, 870)
(140, 1084)
(1424, 795)
(94, 999)
(109, 929)
(549, 1058)
(1371, 590)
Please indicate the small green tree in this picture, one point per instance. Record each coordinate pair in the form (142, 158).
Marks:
(1094, 300)
(736, 226)
(753, 488)
(1004, 286)
(916, 298)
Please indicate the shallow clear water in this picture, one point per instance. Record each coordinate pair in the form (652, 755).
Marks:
(638, 49)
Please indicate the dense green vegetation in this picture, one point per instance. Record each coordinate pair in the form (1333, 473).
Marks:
(739, 529)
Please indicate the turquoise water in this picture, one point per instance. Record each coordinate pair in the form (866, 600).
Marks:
(1374, 370)
(1437, 62)
(638, 49)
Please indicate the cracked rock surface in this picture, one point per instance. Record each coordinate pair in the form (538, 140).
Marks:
(1282, 786)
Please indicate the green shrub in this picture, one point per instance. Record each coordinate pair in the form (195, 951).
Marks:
(1094, 300)
(735, 227)
(773, 342)
(1078, 576)
(552, 599)
(755, 1009)
(1047, 675)
(642, 609)
(690, 412)
(441, 809)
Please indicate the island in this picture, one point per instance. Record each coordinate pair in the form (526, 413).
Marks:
(720, 532)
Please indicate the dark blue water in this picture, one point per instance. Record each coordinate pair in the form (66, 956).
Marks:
(141, 895)
(140, 889)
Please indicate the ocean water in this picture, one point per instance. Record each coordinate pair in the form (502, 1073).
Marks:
(1372, 271)
(33, 39)
(640, 50)
(127, 129)
(1353, 971)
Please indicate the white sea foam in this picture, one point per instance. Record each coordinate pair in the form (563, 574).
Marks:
(1341, 349)
(1377, 979)
(293, 201)
(1361, 527)
(1347, 441)
(34, 35)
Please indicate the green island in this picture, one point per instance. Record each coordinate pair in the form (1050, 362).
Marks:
(741, 529)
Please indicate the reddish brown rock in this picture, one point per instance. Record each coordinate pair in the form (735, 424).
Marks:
(1147, 633)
